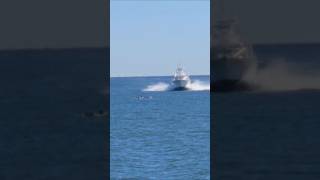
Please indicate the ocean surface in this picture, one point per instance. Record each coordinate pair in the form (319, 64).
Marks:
(157, 133)
(273, 133)
(43, 96)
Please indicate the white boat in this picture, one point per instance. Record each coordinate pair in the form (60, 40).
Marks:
(232, 58)
(180, 79)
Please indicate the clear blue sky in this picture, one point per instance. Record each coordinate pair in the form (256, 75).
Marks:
(152, 38)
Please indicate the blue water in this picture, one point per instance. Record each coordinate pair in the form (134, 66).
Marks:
(272, 133)
(161, 135)
(43, 134)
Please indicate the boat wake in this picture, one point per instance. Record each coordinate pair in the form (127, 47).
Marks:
(280, 75)
(196, 85)
(157, 87)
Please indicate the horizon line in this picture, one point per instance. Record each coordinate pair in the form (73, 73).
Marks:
(137, 76)
(107, 46)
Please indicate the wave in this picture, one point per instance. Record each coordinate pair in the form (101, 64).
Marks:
(157, 87)
(280, 75)
(196, 85)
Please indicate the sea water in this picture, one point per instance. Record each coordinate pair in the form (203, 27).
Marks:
(272, 133)
(157, 133)
(43, 95)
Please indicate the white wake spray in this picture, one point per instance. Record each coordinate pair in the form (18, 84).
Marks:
(196, 85)
(280, 75)
(157, 87)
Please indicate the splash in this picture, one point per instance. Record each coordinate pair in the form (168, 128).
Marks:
(196, 85)
(280, 75)
(157, 87)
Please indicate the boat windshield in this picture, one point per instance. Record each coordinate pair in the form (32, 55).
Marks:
(180, 75)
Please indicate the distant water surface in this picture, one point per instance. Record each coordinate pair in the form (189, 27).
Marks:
(42, 96)
(273, 133)
(159, 134)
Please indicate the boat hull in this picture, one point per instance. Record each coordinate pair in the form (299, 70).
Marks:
(179, 89)
(180, 84)
(229, 75)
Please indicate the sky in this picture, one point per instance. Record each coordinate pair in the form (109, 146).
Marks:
(36, 24)
(83, 23)
(276, 21)
(153, 38)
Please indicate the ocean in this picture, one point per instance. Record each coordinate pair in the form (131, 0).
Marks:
(157, 133)
(47, 132)
(43, 97)
(272, 133)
